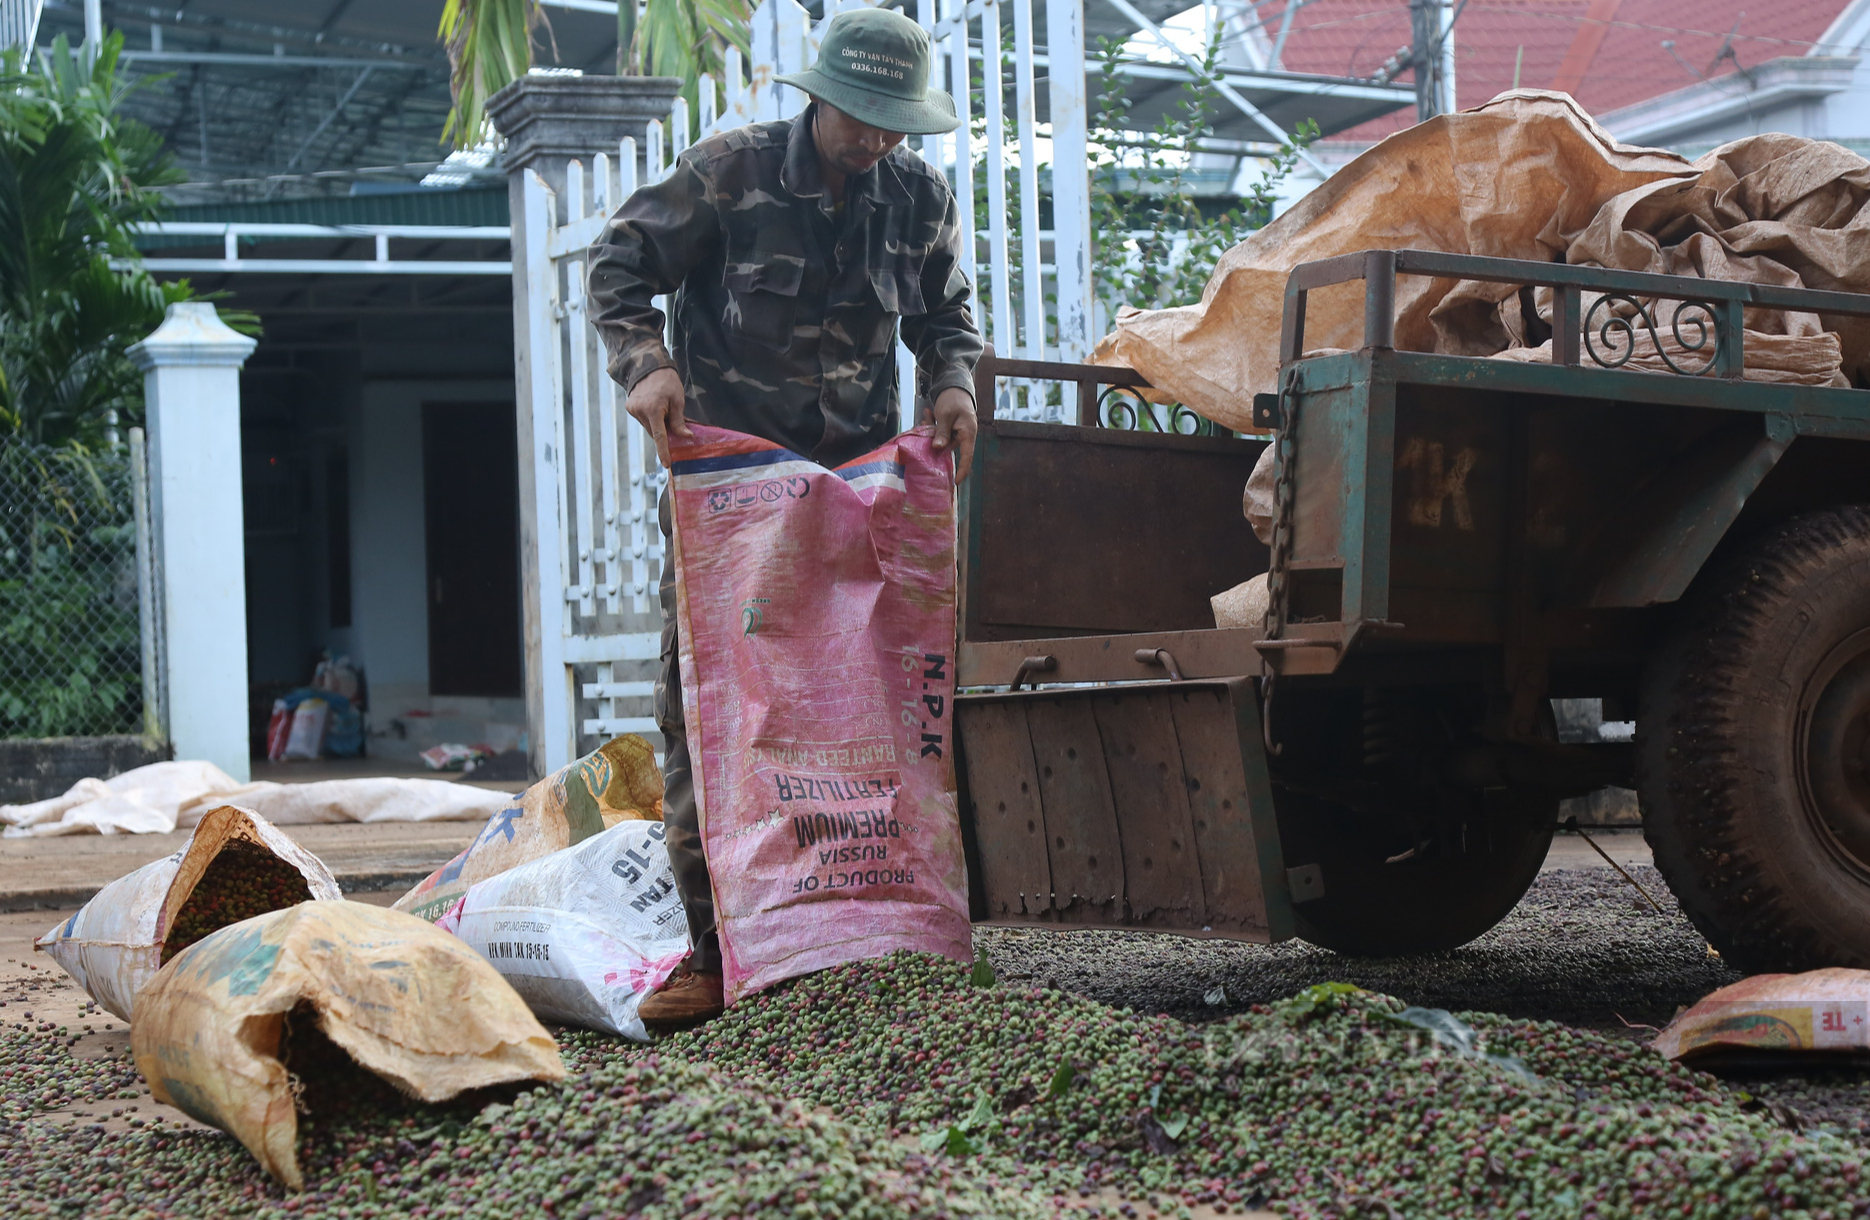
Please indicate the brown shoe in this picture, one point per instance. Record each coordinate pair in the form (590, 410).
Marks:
(688, 998)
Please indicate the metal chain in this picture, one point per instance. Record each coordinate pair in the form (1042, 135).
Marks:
(1284, 451)
(1283, 498)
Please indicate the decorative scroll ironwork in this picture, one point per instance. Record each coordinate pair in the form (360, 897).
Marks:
(1619, 331)
(1123, 409)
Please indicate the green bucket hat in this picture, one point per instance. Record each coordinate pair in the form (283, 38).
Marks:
(874, 66)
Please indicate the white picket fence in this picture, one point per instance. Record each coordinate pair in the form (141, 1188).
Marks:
(595, 499)
(19, 24)
(1017, 320)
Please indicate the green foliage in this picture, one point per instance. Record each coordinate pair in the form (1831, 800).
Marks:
(1317, 1001)
(490, 45)
(74, 177)
(688, 37)
(982, 975)
(966, 1136)
(1153, 245)
(68, 624)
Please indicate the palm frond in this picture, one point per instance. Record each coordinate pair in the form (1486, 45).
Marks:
(489, 46)
(686, 38)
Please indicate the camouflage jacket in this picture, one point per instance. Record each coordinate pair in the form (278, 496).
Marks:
(786, 310)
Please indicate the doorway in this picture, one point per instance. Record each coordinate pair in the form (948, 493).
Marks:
(470, 478)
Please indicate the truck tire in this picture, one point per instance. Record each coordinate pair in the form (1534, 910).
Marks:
(1487, 848)
(1371, 908)
(1754, 748)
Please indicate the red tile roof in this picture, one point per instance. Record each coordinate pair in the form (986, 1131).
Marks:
(1606, 53)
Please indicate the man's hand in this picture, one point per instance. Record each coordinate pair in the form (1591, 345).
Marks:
(955, 424)
(657, 403)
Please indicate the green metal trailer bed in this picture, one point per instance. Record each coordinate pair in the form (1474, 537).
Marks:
(1459, 541)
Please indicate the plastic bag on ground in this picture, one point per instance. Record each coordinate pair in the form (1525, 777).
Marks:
(1819, 1010)
(618, 781)
(344, 730)
(306, 740)
(398, 996)
(585, 933)
(117, 942)
(278, 728)
(453, 756)
(818, 626)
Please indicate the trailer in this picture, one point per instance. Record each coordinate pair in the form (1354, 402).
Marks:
(1458, 542)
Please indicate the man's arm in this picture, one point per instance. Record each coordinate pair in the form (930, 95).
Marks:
(947, 344)
(659, 234)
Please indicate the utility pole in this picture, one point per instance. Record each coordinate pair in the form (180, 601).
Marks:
(1425, 38)
(93, 25)
(1444, 72)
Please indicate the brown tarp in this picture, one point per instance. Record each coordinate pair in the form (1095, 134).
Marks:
(1528, 175)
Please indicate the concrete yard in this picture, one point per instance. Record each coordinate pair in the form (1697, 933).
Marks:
(39, 873)
(65, 870)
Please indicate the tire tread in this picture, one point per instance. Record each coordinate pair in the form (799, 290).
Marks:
(1697, 706)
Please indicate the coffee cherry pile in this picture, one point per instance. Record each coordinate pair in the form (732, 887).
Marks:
(244, 880)
(654, 1139)
(1318, 1105)
(899, 1089)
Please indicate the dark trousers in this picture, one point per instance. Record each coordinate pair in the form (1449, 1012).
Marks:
(681, 817)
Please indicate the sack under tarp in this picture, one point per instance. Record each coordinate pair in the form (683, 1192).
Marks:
(164, 796)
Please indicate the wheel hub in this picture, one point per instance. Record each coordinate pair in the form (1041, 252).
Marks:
(1835, 757)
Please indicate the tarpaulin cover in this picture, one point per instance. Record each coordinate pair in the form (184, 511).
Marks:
(1819, 1010)
(159, 798)
(1528, 175)
(817, 613)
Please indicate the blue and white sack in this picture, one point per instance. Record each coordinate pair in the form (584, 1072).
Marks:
(585, 933)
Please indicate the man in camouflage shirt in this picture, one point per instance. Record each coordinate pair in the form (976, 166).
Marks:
(793, 249)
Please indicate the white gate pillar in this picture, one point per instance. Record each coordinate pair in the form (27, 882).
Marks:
(1071, 177)
(548, 122)
(191, 390)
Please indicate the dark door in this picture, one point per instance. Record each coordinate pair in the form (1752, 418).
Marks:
(470, 478)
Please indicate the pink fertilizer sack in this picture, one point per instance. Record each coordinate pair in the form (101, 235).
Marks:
(818, 627)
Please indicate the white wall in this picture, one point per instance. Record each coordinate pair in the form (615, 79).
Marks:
(1847, 114)
(1819, 94)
